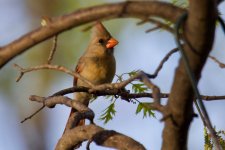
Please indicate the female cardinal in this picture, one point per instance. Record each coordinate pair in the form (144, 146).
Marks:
(97, 64)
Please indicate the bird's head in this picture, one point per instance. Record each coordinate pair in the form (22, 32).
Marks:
(101, 43)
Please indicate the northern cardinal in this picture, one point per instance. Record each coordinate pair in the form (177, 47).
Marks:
(97, 64)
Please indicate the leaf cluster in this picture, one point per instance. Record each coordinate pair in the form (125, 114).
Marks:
(209, 145)
(137, 87)
(147, 111)
(108, 114)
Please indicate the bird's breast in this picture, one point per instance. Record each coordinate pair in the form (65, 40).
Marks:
(99, 70)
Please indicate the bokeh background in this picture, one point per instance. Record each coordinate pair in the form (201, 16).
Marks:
(136, 50)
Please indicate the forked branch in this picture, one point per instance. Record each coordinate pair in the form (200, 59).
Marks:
(91, 132)
(98, 135)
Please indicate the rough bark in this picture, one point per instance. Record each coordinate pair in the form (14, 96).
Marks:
(199, 31)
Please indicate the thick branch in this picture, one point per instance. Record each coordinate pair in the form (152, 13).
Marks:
(100, 136)
(90, 132)
(199, 32)
(117, 10)
(83, 112)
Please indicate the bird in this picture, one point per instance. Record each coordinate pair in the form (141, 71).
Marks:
(97, 64)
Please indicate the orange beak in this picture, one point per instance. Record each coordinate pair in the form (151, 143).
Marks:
(111, 43)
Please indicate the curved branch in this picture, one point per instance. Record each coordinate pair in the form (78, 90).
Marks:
(117, 10)
(201, 22)
(83, 112)
(100, 136)
(50, 67)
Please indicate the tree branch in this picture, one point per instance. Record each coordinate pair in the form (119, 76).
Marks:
(221, 65)
(100, 136)
(155, 74)
(50, 67)
(117, 10)
(92, 132)
(201, 22)
(83, 111)
(125, 94)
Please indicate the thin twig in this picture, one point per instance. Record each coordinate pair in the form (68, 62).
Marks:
(155, 74)
(159, 24)
(155, 89)
(32, 115)
(53, 50)
(152, 29)
(45, 22)
(51, 67)
(88, 27)
(222, 65)
(115, 85)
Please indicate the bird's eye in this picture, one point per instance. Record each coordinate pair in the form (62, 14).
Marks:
(101, 41)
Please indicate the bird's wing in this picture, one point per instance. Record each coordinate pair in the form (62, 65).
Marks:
(79, 68)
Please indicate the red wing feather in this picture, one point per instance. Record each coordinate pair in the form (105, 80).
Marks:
(78, 69)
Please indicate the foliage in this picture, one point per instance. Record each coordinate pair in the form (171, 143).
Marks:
(180, 3)
(109, 112)
(137, 87)
(208, 140)
(208, 143)
(147, 112)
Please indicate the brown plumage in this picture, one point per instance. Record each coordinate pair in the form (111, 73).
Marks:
(97, 64)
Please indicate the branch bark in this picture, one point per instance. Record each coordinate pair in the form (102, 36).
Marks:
(199, 32)
(92, 132)
(141, 10)
(100, 136)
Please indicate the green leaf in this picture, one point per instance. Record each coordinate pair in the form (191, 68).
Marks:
(180, 3)
(119, 78)
(207, 141)
(139, 108)
(147, 111)
(139, 88)
(209, 144)
(108, 114)
(132, 73)
(220, 135)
